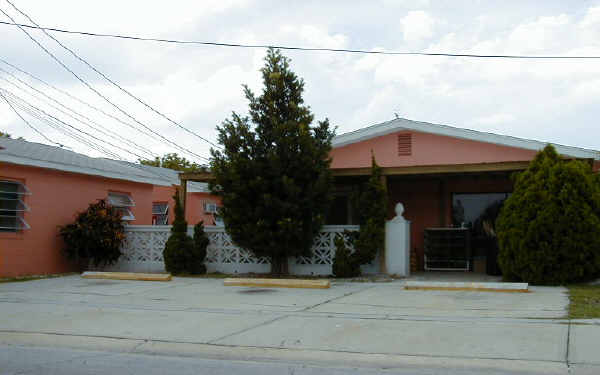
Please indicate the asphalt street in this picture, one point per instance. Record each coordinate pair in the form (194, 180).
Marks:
(73, 325)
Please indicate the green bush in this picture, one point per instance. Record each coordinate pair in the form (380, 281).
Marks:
(549, 228)
(372, 209)
(96, 235)
(343, 263)
(201, 242)
(179, 248)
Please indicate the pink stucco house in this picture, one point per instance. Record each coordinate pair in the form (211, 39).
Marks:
(445, 177)
(42, 187)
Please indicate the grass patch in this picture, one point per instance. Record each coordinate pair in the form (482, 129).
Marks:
(19, 279)
(585, 301)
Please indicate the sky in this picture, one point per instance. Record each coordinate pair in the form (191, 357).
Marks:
(199, 86)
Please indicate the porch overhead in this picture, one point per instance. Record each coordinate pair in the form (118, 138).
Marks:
(510, 166)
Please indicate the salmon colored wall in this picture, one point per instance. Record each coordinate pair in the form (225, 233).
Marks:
(427, 149)
(55, 199)
(194, 212)
(428, 201)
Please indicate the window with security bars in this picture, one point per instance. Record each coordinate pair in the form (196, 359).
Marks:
(12, 206)
(122, 202)
(160, 213)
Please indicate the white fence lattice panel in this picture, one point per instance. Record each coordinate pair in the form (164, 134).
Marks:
(144, 244)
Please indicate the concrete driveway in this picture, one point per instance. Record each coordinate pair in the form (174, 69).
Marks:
(377, 325)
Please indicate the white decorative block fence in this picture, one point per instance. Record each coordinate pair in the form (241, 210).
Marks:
(144, 244)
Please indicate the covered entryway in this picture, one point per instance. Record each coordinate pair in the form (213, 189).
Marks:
(454, 204)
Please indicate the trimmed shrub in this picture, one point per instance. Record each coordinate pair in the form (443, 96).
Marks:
(96, 235)
(201, 241)
(372, 208)
(549, 228)
(179, 247)
(343, 263)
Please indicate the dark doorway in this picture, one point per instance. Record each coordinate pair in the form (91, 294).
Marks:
(478, 213)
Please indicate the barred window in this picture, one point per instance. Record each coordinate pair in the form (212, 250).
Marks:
(122, 202)
(12, 207)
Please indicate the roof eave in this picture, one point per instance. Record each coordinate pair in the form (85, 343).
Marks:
(11, 159)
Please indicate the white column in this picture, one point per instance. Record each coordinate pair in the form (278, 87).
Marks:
(397, 244)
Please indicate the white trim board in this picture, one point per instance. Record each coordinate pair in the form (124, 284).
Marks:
(401, 124)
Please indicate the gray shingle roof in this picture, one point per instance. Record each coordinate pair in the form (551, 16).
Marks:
(16, 151)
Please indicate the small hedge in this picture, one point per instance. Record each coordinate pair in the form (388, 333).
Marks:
(182, 254)
(344, 265)
(96, 235)
(549, 228)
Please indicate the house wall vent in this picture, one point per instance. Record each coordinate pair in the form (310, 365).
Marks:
(404, 144)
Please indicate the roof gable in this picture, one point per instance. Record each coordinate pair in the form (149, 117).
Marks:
(402, 124)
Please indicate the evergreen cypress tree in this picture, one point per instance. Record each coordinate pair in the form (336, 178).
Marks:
(273, 173)
(372, 209)
(201, 242)
(549, 228)
(179, 247)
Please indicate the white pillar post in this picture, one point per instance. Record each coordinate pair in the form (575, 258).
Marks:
(397, 244)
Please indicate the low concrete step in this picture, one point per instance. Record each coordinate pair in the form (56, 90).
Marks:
(127, 276)
(473, 286)
(279, 283)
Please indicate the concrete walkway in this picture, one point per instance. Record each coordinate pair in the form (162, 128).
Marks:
(372, 325)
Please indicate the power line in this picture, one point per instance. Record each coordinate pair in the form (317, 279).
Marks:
(113, 82)
(295, 48)
(74, 127)
(88, 122)
(27, 122)
(56, 126)
(33, 111)
(99, 110)
(96, 91)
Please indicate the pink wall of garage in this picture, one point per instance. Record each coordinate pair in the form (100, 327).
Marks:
(427, 149)
(56, 197)
(194, 212)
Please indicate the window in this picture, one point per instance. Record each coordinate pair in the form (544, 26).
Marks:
(12, 206)
(476, 211)
(219, 221)
(160, 213)
(122, 202)
(210, 208)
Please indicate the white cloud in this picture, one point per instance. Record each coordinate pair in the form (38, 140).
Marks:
(495, 119)
(200, 85)
(542, 35)
(591, 18)
(417, 25)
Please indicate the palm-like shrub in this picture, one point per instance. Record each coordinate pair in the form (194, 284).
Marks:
(549, 228)
(96, 235)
